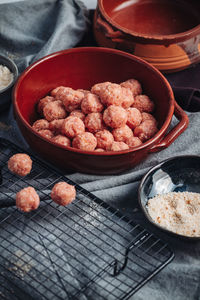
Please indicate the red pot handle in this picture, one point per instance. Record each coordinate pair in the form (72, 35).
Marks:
(115, 36)
(175, 132)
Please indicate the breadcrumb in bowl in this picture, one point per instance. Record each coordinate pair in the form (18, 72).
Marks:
(169, 196)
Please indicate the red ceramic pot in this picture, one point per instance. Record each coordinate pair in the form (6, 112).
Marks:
(165, 33)
(82, 68)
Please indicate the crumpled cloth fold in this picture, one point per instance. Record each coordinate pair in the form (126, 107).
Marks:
(30, 30)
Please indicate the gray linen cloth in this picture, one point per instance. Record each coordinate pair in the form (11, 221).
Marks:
(63, 28)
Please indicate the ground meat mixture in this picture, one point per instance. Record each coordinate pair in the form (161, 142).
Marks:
(122, 134)
(46, 133)
(61, 140)
(27, 199)
(94, 122)
(119, 146)
(91, 103)
(115, 116)
(54, 110)
(133, 85)
(20, 164)
(40, 124)
(104, 139)
(110, 116)
(72, 126)
(85, 141)
(63, 193)
(143, 104)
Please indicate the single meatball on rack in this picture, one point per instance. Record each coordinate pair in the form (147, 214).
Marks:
(27, 199)
(63, 193)
(20, 164)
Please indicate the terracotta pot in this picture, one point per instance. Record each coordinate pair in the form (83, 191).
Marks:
(164, 33)
(82, 68)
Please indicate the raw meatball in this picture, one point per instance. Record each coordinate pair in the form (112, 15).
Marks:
(118, 146)
(91, 103)
(85, 92)
(133, 85)
(128, 98)
(40, 124)
(78, 113)
(96, 89)
(56, 126)
(27, 199)
(134, 117)
(46, 133)
(20, 164)
(145, 130)
(112, 94)
(94, 122)
(99, 150)
(43, 102)
(133, 142)
(72, 100)
(115, 116)
(54, 110)
(146, 116)
(60, 91)
(72, 126)
(62, 140)
(104, 139)
(85, 141)
(143, 103)
(63, 193)
(122, 134)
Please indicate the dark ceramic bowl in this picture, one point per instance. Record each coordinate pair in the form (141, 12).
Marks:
(82, 68)
(177, 174)
(5, 93)
(163, 32)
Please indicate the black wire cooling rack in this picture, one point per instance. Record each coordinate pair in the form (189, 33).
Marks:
(87, 250)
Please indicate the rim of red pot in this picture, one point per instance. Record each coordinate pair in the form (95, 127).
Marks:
(157, 39)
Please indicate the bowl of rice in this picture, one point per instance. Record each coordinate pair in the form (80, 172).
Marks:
(8, 76)
(169, 196)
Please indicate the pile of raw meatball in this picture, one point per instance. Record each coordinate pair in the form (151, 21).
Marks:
(28, 199)
(110, 117)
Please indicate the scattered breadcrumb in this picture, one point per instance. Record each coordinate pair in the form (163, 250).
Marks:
(177, 211)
